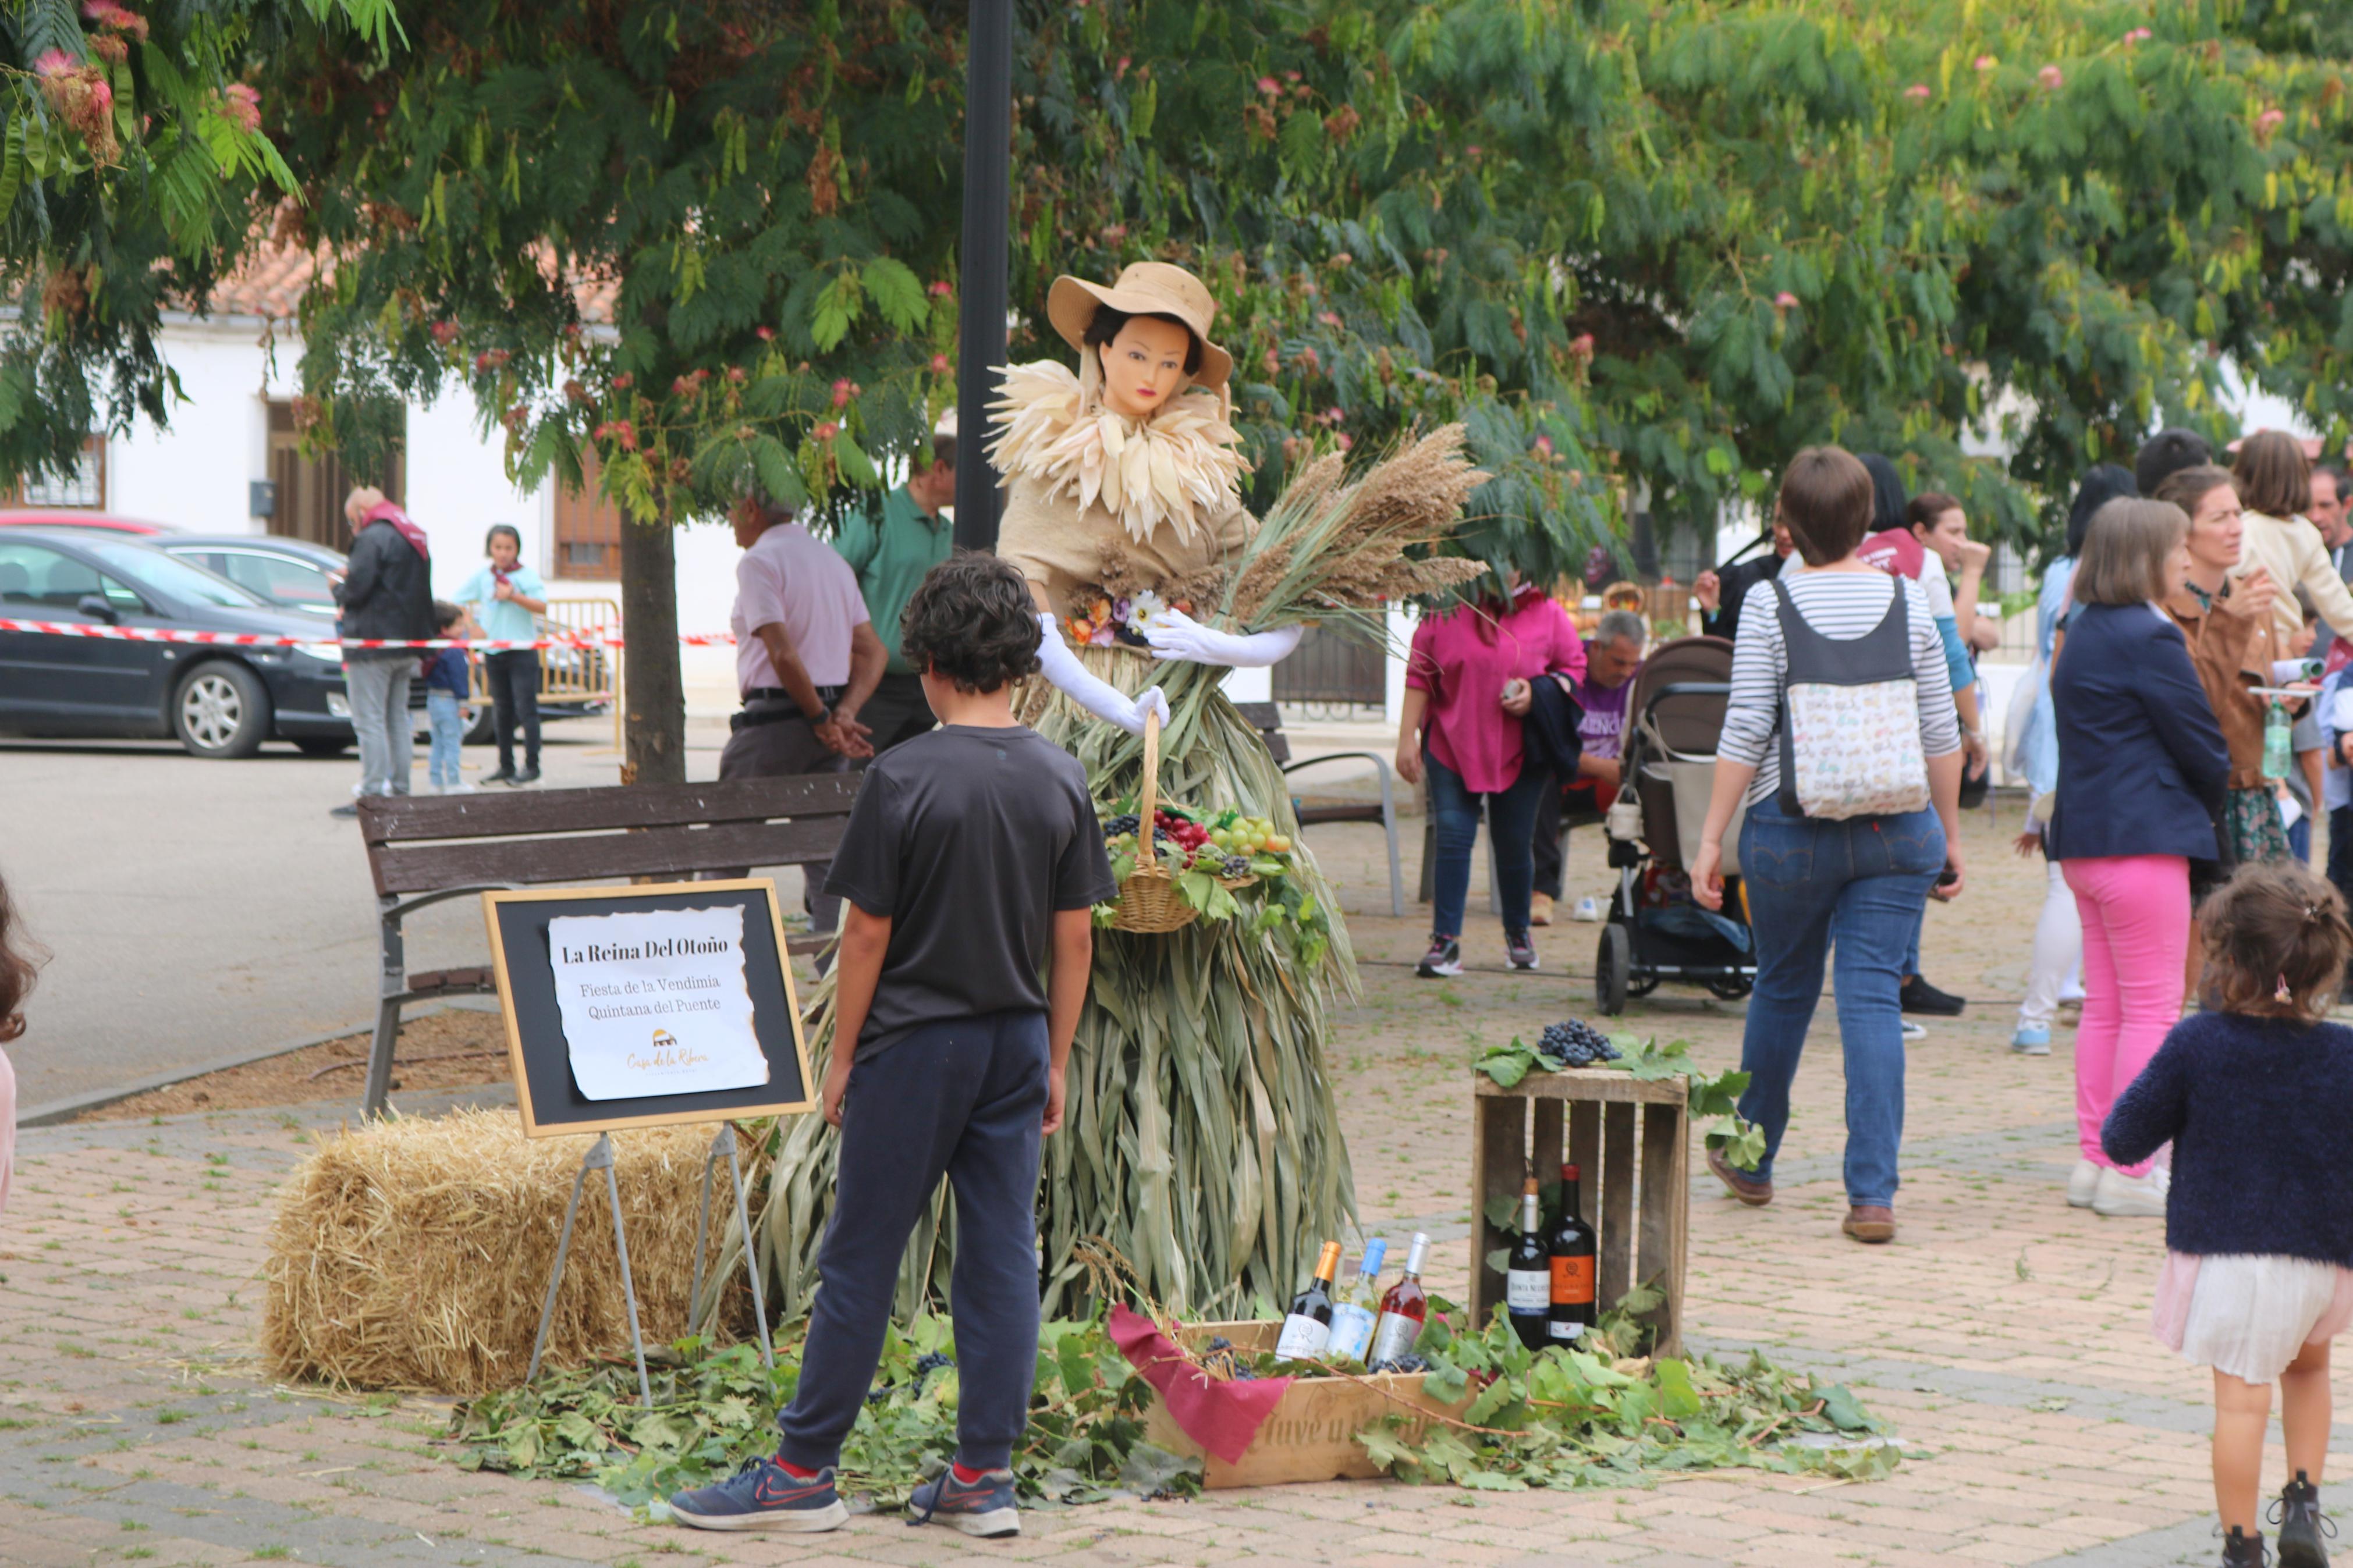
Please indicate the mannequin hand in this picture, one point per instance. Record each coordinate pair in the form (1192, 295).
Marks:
(1151, 700)
(1173, 634)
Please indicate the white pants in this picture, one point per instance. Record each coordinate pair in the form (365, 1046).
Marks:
(2058, 966)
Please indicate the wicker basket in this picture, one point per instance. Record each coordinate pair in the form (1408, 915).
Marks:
(1148, 899)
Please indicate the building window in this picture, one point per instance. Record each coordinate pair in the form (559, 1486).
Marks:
(311, 490)
(587, 529)
(85, 487)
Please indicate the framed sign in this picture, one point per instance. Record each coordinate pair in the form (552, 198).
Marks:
(647, 1005)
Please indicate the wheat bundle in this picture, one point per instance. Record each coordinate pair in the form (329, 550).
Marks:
(414, 1254)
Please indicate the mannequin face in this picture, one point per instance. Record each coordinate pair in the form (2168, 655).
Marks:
(2214, 530)
(1144, 366)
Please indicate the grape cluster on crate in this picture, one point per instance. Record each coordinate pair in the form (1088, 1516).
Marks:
(1574, 1043)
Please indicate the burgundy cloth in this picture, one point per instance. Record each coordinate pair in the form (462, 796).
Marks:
(1222, 1416)
(387, 512)
(1895, 552)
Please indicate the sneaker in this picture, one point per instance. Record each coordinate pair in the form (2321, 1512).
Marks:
(982, 1507)
(2240, 1550)
(461, 787)
(349, 808)
(1521, 947)
(530, 775)
(1539, 909)
(1870, 1224)
(2031, 1042)
(1919, 996)
(1748, 1189)
(1442, 962)
(764, 1495)
(2084, 1184)
(2301, 1525)
(1913, 1031)
(1588, 910)
(505, 776)
(2119, 1196)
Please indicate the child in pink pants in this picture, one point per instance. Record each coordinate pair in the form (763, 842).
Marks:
(2135, 910)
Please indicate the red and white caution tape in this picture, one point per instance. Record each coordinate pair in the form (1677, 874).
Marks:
(594, 638)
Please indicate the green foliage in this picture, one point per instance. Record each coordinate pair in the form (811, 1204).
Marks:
(1565, 1418)
(715, 1409)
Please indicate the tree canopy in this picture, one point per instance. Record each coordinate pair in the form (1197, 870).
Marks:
(1644, 250)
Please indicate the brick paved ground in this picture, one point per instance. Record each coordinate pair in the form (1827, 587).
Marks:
(2004, 1335)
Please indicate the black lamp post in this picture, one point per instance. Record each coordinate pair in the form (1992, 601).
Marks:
(988, 196)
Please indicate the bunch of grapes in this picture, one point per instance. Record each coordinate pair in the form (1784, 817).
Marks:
(928, 1364)
(1574, 1043)
(1118, 826)
(1187, 835)
(1400, 1364)
(1235, 866)
(1220, 1357)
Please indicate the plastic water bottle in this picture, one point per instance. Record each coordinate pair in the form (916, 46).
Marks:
(2277, 756)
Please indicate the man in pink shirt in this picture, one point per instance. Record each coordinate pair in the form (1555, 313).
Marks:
(805, 662)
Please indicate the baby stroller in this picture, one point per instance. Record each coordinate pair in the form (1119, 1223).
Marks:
(1655, 931)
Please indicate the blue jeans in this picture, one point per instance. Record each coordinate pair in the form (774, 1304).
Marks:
(1511, 825)
(2300, 839)
(448, 728)
(2340, 849)
(1861, 885)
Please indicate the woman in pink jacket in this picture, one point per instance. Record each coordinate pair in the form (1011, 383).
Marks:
(1467, 689)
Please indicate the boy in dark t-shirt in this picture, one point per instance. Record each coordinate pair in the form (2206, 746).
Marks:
(972, 850)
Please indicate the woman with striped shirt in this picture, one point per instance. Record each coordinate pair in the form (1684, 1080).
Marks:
(1857, 881)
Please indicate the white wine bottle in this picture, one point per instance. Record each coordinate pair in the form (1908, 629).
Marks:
(1307, 1327)
(1352, 1319)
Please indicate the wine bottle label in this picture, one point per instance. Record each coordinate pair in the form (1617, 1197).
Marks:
(1302, 1339)
(1572, 1281)
(1352, 1330)
(1394, 1337)
(1563, 1331)
(1526, 1291)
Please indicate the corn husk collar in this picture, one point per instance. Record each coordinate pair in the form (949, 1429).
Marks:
(1180, 467)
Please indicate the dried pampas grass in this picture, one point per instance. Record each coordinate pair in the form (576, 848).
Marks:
(414, 1254)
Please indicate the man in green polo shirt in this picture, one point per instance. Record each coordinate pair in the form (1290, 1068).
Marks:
(891, 547)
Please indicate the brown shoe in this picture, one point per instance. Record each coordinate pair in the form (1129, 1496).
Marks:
(1870, 1223)
(1539, 909)
(1739, 1183)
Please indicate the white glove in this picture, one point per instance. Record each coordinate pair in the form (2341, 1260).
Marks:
(1173, 634)
(1090, 691)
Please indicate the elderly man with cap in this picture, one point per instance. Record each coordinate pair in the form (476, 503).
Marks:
(807, 658)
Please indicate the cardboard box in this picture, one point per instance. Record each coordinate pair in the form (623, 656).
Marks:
(1311, 1433)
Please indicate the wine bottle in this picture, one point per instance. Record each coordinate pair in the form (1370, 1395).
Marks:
(1360, 1305)
(1527, 1277)
(1571, 1245)
(1404, 1308)
(1307, 1327)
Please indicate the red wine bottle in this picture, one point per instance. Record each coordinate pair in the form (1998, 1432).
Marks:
(1527, 1277)
(1307, 1327)
(1571, 1245)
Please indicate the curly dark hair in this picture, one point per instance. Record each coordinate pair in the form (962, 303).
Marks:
(971, 621)
(2276, 942)
(20, 961)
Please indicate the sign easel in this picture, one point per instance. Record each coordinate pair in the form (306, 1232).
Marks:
(650, 1005)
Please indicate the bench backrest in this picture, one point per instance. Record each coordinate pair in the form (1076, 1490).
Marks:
(418, 844)
(1267, 720)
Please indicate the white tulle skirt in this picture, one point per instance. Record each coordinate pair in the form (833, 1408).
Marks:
(2250, 1315)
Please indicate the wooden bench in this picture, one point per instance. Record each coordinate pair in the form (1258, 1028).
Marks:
(1266, 717)
(424, 850)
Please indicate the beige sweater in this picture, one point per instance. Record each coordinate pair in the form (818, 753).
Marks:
(2290, 549)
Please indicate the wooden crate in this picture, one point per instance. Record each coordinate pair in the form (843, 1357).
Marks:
(1311, 1434)
(1631, 1143)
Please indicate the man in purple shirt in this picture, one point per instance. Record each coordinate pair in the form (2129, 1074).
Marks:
(1612, 657)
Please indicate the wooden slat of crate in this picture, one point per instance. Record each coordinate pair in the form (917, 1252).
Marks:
(1628, 1136)
(1311, 1434)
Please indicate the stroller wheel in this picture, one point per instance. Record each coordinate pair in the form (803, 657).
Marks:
(1613, 966)
(1731, 990)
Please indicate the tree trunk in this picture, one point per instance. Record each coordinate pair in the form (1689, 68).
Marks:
(654, 747)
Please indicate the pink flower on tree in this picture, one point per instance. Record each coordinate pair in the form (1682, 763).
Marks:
(2052, 77)
(55, 64)
(2270, 119)
(1984, 62)
(2138, 36)
(1785, 301)
(940, 288)
(116, 18)
(1268, 85)
(765, 335)
(842, 391)
(1917, 91)
(242, 105)
(1543, 447)
(826, 430)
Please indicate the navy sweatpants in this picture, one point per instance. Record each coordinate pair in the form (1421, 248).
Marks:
(962, 1097)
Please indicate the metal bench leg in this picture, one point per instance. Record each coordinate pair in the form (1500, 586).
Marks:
(1388, 826)
(388, 1017)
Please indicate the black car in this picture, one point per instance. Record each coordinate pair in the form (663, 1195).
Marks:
(217, 701)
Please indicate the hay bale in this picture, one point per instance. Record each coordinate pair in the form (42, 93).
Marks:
(414, 1254)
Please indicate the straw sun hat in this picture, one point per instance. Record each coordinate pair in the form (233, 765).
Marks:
(1145, 289)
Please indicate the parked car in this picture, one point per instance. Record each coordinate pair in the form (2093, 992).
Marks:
(217, 702)
(293, 574)
(74, 517)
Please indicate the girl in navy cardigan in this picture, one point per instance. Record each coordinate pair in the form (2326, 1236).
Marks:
(2255, 1100)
